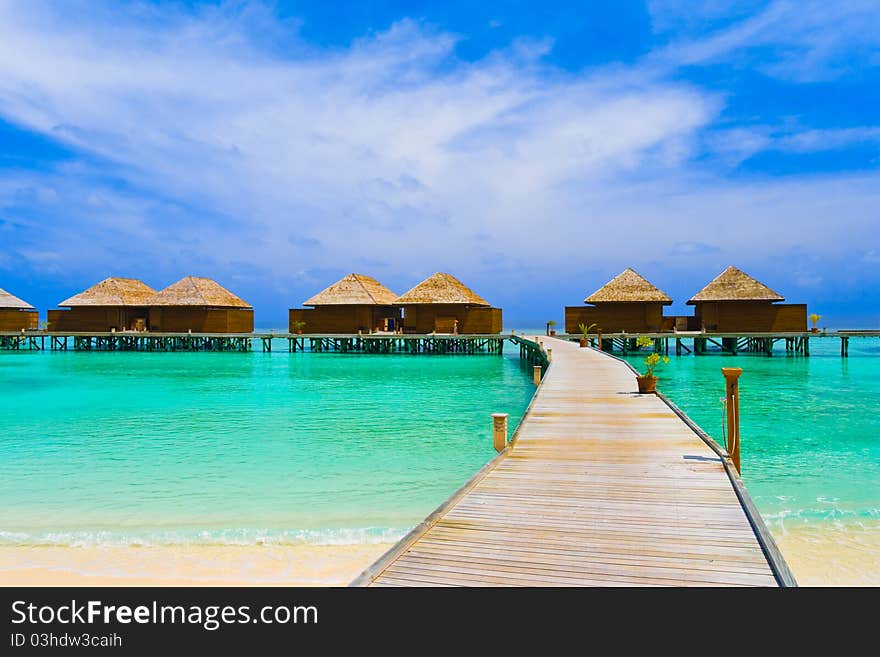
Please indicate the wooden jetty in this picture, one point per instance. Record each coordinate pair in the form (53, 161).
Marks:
(439, 344)
(599, 486)
(400, 343)
(379, 343)
(724, 343)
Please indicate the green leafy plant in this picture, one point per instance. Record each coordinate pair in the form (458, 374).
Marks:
(814, 318)
(653, 359)
(585, 330)
(297, 326)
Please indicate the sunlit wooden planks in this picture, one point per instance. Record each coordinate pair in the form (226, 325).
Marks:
(604, 487)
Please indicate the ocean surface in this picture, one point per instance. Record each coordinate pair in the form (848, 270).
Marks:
(248, 449)
(116, 449)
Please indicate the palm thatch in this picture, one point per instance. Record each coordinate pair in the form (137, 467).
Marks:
(354, 289)
(197, 291)
(735, 285)
(112, 292)
(441, 288)
(628, 287)
(9, 302)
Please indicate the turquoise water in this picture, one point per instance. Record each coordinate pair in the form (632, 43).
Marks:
(243, 448)
(810, 427)
(152, 448)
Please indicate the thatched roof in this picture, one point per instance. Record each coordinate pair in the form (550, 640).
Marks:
(441, 288)
(735, 285)
(354, 289)
(197, 291)
(113, 292)
(7, 301)
(628, 287)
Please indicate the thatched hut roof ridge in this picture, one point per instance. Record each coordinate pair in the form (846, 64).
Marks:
(629, 287)
(441, 288)
(8, 301)
(354, 289)
(112, 292)
(735, 285)
(197, 291)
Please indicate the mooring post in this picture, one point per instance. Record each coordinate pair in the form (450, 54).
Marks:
(499, 431)
(536, 374)
(599, 333)
(549, 355)
(731, 378)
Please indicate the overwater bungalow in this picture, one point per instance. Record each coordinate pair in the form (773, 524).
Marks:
(114, 304)
(734, 302)
(353, 304)
(199, 305)
(443, 304)
(628, 302)
(16, 314)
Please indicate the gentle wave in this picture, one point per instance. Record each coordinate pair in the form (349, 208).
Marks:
(821, 515)
(225, 537)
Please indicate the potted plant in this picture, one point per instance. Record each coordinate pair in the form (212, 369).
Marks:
(550, 330)
(814, 319)
(585, 330)
(298, 327)
(648, 382)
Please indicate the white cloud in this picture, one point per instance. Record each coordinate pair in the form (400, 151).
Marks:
(734, 145)
(803, 40)
(207, 147)
(318, 144)
(825, 140)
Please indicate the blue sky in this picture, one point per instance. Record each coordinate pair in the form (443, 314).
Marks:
(533, 149)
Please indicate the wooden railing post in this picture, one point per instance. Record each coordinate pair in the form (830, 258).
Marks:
(536, 374)
(731, 378)
(499, 431)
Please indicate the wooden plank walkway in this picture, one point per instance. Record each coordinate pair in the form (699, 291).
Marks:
(602, 486)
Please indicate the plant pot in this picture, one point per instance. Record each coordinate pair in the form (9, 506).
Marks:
(299, 332)
(584, 343)
(647, 384)
(814, 330)
(552, 332)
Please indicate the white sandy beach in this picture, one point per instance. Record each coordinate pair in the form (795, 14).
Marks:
(817, 555)
(841, 555)
(299, 565)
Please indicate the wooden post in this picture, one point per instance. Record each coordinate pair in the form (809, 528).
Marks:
(549, 355)
(499, 431)
(599, 333)
(731, 377)
(536, 374)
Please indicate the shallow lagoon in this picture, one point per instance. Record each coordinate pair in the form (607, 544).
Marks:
(243, 448)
